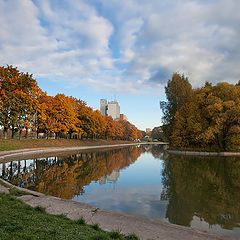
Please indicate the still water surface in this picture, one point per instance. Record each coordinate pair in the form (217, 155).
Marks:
(203, 193)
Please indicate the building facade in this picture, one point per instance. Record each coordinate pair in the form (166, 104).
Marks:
(148, 131)
(111, 108)
(103, 107)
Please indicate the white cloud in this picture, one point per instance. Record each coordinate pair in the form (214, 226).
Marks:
(199, 38)
(53, 40)
(76, 42)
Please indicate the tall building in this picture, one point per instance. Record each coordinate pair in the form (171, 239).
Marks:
(111, 108)
(103, 107)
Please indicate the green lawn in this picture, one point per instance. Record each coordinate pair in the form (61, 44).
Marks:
(20, 221)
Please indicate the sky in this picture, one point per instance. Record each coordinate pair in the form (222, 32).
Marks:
(128, 49)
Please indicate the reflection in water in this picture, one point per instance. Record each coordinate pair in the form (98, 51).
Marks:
(66, 177)
(203, 193)
(208, 188)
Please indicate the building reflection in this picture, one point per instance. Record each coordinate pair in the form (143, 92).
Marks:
(111, 178)
(66, 177)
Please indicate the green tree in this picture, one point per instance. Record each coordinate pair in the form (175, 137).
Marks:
(178, 92)
(208, 117)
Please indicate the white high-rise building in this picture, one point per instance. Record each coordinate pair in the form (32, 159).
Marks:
(111, 108)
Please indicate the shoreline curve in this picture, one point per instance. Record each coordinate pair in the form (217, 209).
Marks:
(203, 153)
(27, 152)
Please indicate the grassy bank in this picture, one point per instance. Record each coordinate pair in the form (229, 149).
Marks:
(20, 221)
(14, 144)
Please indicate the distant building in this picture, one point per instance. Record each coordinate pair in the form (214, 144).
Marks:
(103, 107)
(123, 117)
(148, 131)
(111, 108)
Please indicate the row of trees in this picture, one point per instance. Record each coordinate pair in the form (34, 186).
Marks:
(206, 117)
(24, 106)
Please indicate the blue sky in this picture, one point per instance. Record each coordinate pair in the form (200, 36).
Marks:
(100, 48)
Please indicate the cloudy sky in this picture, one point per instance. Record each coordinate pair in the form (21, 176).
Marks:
(126, 49)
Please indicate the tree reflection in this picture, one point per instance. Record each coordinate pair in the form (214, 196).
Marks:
(66, 177)
(156, 150)
(205, 187)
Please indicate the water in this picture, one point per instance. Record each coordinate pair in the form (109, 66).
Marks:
(203, 193)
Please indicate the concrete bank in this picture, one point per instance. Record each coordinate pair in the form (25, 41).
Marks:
(22, 153)
(29, 152)
(196, 153)
(144, 228)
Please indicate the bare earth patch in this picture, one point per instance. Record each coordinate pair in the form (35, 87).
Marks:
(3, 189)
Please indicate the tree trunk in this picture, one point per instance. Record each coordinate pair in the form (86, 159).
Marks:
(5, 130)
(26, 134)
(57, 135)
(13, 131)
(20, 134)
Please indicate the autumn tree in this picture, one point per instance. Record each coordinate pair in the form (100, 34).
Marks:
(111, 128)
(24, 106)
(220, 114)
(18, 99)
(209, 118)
(157, 133)
(59, 114)
(86, 123)
(178, 92)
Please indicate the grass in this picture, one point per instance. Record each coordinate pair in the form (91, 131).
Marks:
(81, 221)
(20, 221)
(15, 144)
(115, 234)
(95, 227)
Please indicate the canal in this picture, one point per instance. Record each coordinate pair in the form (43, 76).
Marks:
(198, 192)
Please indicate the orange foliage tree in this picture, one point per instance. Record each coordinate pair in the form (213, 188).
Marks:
(18, 99)
(23, 105)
